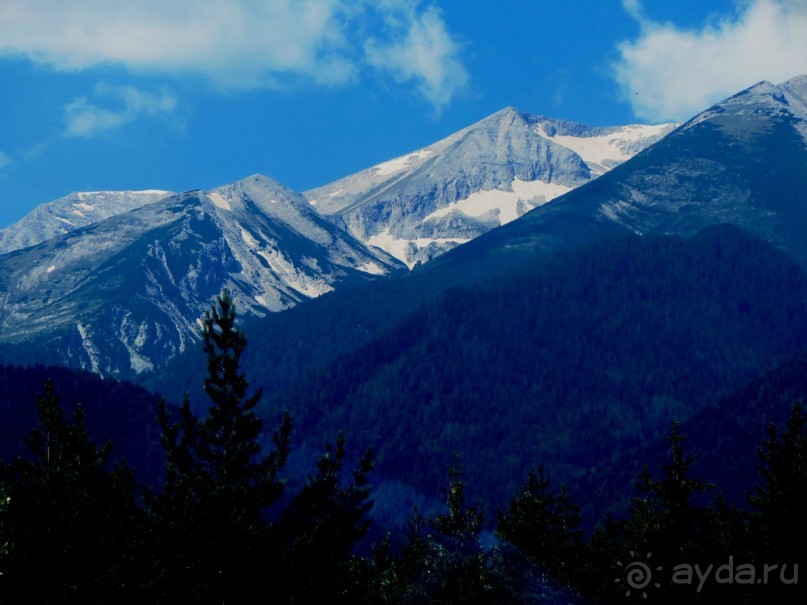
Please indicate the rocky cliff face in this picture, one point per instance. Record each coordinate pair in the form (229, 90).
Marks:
(420, 205)
(125, 294)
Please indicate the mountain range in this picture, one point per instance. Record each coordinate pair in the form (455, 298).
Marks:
(422, 204)
(114, 282)
(740, 162)
(615, 339)
(592, 281)
(121, 295)
(72, 212)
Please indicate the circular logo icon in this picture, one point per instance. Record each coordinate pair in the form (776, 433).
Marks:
(638, 575)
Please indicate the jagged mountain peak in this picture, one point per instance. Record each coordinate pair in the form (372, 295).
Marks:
(261, 189)
(798, 80)
(742, 162)
(259, 182)
(424, 203)
(507, 115)
(795, 91)
(123, 295)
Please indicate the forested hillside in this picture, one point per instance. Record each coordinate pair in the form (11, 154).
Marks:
(116, 411)
(222, 523)
(567, 362)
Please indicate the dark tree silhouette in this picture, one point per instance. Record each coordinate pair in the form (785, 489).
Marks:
(219, 483)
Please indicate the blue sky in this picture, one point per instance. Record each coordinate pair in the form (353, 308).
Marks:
(185, 94)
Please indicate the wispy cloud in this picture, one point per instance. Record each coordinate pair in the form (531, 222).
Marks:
(5, 159)
(420, 49)
(237, 43)
(670, 73)
(87, 119)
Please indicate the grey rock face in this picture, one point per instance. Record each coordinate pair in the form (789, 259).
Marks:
(420, 205)
(72, 212)
(125, 294)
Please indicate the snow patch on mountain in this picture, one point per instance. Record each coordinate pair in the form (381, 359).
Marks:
(372, 268)
(506, 206)
(424, 203)
(408, 249)
(89, 347)
(219, 201)
(137, 361)
(401, 163)
(601, 152)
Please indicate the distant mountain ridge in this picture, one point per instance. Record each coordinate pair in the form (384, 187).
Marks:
(424, 203)
(114, 282)
(124, 294)
(73, 212)
(742, 161)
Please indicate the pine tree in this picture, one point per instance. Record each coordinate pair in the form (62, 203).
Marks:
(544, 525)
(664, 519)
(320, 529)
(676, 490)
(210, 516)
(665, 526)
(443, 561)
(779, 502)
(72, 526)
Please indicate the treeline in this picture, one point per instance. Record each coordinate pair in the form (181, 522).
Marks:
(224, 525)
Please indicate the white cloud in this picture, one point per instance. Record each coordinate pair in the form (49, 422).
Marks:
(421, 50)
(85, 119)
(670, 73)
(234, 43)
(5, 159)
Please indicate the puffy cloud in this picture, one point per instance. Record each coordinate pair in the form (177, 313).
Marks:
(670, 73)
(85, 119)
(234, 43)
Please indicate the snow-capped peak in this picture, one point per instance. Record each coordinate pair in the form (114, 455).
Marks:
(163, 264)
(423, 203)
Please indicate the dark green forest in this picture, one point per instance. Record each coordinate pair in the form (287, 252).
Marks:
(224, 525)
(571, 361)
(628, 407)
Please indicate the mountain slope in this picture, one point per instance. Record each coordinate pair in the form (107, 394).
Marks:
(611, 340)
(123, 295)
(115, 411)
(724, 438)
(72, 212)
(743, 161)
(420, 205)
(758, 184)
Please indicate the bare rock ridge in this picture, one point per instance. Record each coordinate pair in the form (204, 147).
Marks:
(124, 294)
(422, 204)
